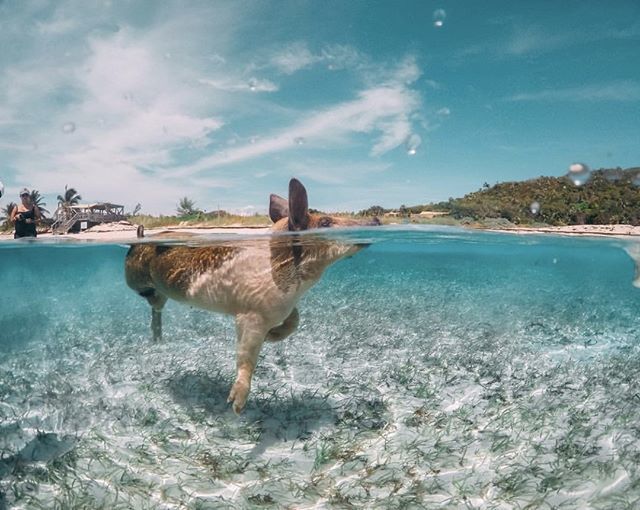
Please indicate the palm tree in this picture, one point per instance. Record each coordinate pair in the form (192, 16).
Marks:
(374, 210)
(186, 207)
(6, 213)
(38, 200)
(69, 198)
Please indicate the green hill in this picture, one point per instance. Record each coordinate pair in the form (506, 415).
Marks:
(609, 196)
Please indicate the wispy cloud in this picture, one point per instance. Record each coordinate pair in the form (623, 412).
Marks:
(384, 110)
(624, 91)
(522, 39)
(147, 108)
(239, 85)
(341, 56)
(296, 56)
(533, 39)
(335, 172)
(56, 26)
(131, 108)
(293, 57)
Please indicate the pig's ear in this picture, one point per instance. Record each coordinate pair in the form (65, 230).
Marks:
(278, 208)
(298, 206)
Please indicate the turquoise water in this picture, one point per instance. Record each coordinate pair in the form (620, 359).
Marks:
(437, 368)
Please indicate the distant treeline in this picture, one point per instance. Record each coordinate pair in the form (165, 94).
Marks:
(609, 196)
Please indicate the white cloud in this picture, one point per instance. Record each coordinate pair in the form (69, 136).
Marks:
(335, 172)
(57, 26)
(533, 39)
(157, 99)
(523, 39)
(292, 58)
(340, 56)
(624, 91)
(383, 110)
(394, 132)
(297, 56)
(237, 85)
(131, 110)
(407, 71)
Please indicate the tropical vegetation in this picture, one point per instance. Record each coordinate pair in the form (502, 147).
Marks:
(609, 196)
(69, 197)
(187, 207)
(38, 200)
(5, 212)
(5, 215)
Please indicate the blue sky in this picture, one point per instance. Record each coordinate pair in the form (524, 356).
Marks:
(367, 102)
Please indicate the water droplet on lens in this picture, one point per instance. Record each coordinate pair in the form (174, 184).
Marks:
(68, 127)
(579, 173)
(299, 140)
(413, 142)
(439, 16)
(253, 85)
(534, 207)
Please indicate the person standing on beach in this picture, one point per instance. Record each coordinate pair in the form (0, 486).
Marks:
(25, 215)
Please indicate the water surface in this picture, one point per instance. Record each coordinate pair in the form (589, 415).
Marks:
(436, 368)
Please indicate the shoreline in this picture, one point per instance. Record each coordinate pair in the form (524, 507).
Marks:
(122, 233)
(572, 230)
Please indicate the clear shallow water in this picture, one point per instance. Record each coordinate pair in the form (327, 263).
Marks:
(436, 368)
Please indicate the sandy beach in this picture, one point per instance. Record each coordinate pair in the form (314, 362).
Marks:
(573, 230)
(123, 232)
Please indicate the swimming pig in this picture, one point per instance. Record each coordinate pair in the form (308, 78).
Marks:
(259, 282)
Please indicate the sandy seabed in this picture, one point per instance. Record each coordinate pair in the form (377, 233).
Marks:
(495, 374)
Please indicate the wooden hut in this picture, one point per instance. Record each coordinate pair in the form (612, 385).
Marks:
(74, 218)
